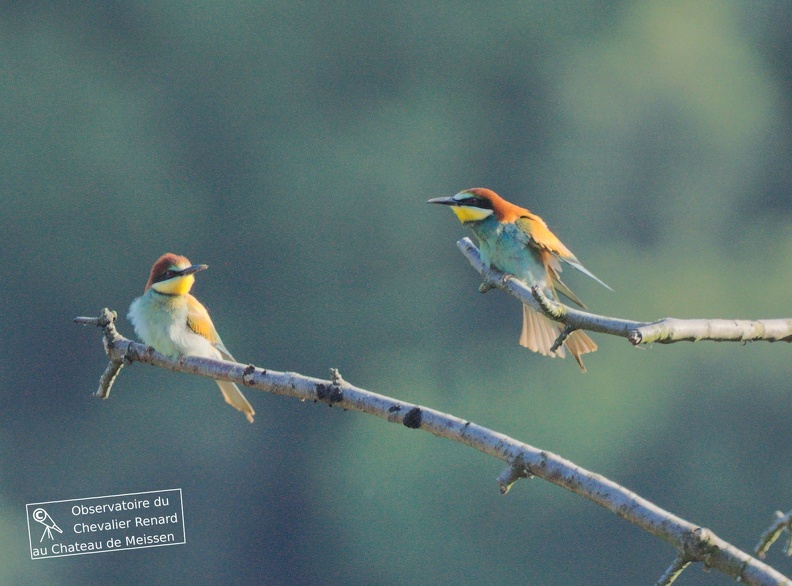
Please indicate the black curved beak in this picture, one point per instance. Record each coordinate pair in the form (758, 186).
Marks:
(193, 269)
(446, 201)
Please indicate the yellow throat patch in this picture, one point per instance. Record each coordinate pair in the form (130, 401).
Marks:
(175, 286)
(470, 214)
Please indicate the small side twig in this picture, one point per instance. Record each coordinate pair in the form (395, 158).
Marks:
(565, 333)
(108, 378)
(512, 474)
(673, 572)
(782, 523)
(106, 321)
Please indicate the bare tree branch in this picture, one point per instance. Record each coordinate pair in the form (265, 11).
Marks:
(768, 538)
(693, 543)
(664, 331)
(673, 572)
(106, 321)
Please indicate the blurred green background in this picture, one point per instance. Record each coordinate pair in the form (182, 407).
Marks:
(291, 147)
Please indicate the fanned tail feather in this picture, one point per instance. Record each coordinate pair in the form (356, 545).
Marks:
(578, 344)
(540, 333)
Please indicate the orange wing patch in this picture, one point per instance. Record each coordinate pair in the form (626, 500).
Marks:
(541, 237)
(199, 322)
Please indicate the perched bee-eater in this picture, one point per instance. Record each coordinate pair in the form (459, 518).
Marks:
(174, 323)
(515, 241)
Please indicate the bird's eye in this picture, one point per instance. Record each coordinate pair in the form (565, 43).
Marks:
(478, 202)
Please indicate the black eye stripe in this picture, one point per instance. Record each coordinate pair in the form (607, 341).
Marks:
(170, 273)
(477, 202)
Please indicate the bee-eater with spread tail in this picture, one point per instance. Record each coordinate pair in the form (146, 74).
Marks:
(515, 241)
(174, 323)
